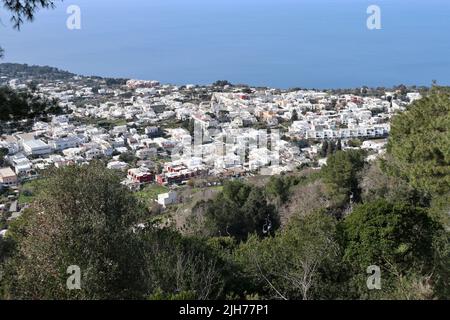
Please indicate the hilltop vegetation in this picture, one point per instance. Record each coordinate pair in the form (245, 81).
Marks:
(25, 71)
(44, 74)
(420, 143)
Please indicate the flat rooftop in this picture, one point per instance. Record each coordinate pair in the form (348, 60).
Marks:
(7, 172)
(36, 144)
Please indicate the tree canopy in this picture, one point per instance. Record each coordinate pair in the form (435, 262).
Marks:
(341, 172)
(24, 105)
(82, 216)
(420, 143)
(240, 210)
(380, 232)
(400, 239)
(291, 265)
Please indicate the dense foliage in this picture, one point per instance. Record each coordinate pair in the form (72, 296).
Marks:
(240, 210)
(18, 71)
(294, 263)
(420, 143)
(83, 217)
(16, 106)
(341, 172)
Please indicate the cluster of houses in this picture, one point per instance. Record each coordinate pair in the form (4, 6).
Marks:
(242, 131)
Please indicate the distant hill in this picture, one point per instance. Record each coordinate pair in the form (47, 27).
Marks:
(46, 73)
(24, 71)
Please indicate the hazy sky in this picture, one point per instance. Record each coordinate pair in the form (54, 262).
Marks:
(283, 43)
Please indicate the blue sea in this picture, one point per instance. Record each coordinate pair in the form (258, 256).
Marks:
(278, 43)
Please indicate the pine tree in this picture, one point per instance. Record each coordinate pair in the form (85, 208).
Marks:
(339, 145)
(331, 148)
(419, 143)
(324, 150)
(82, 217)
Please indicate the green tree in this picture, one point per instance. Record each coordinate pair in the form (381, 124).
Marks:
(376, 184)
(3, 153)
(380, 231)
(128, 157)
(331, 148)
(354, 143)
(324, 150)
(397, 237)
(278, 187)
(181, 268)
(342, 171)
(339, 145)
(16, 106)
(420, 143)
(221, 83)
(294, 263)
(189, 125)
(83, 216)
(240, 210)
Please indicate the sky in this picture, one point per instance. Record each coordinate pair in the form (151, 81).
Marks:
(278, 43)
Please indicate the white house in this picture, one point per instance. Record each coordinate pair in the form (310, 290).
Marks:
(65, 143)
(152, 131)
(36, 147)
(117, 165)
(166, 199)
(21, 163)
(93, 153)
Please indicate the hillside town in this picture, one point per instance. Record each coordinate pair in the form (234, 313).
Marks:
(224, 158)
(140, 127)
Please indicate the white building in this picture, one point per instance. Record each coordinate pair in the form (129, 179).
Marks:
(117, 165)
(65, 143)
(166, 199)
(36, 147)
(93, 153)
